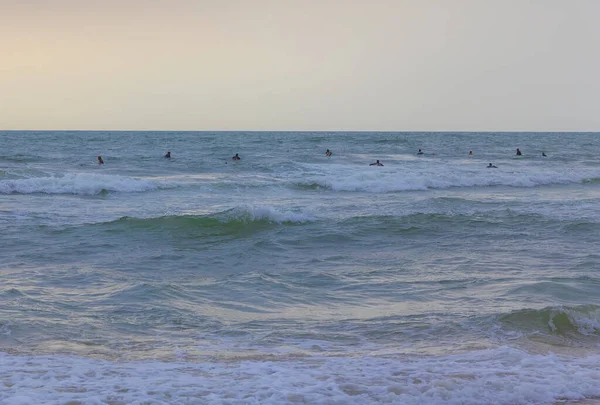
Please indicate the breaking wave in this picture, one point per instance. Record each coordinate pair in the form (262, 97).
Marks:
(394, 181)
(79, 183)
(232, 219)
(564, 321)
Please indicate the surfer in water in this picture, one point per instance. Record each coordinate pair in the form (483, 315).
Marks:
(378, 163)
(420, 152)
(544, 154)
(328, 153)
(100, 161)
(470, 153)
(236, 157)
(518, 152)
(491, 166)
(168, 155)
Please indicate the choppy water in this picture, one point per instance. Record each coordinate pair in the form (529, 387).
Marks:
(290, 277)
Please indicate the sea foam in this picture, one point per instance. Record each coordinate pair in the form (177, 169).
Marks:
(498, 376)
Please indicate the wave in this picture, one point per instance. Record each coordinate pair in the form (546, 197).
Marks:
(78, 183)
(583, 320)
(387, 181)
(420, 218)
(230, 220)
(243, 217)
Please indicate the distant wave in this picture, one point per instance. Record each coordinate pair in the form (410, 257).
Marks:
(20, 158)
(78, 183)
(395, 181)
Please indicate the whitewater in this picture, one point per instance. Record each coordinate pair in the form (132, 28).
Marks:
(293, 277)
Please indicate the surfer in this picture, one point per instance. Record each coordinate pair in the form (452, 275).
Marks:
(236, 157)
(420, 152)
(328, 153)
(376, 164)
(544, 154)
(168, 155)
(100, 161)
(491, 166)
(470, 153)
(518, 152)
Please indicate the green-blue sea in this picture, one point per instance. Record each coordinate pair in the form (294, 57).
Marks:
(291, 277)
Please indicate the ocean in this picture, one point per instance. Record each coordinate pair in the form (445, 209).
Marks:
(290, 277)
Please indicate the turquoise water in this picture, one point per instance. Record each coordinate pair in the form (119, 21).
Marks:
(291, 277)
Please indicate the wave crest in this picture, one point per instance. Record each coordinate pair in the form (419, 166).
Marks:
(265, 213)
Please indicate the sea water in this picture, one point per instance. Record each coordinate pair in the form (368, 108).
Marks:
(292, 277)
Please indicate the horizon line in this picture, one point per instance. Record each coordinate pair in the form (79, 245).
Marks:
(299, 131)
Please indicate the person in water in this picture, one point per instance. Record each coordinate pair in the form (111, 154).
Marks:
(236, 157)
(470, 153)
(544, 154)
(420, 152)
(378, 163)
(518, 152)
(100, 161)
(491, 166)
(168, 155)
(328, 153)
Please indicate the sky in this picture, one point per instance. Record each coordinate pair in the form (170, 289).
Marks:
(331, 65)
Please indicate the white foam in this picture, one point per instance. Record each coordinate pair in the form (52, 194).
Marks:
(266, 213)
(399, 178)
(499, 376)
(586, 324)
(77, 183)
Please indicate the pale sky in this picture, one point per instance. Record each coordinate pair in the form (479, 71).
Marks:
(414, 65)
